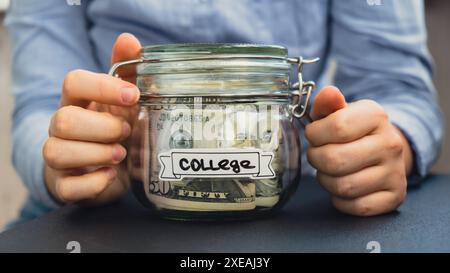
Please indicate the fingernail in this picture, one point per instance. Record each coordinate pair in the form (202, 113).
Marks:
(126, 130)
(129, 94)
(119, 153)
(110, 173)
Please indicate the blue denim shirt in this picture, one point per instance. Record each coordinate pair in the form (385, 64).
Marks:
(380, 53)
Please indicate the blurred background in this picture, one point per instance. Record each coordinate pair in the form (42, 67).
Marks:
(13, 193)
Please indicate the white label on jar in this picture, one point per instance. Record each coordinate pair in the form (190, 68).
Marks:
(251, 163)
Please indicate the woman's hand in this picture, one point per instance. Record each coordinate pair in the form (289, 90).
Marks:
(360, 157)
(86, 135)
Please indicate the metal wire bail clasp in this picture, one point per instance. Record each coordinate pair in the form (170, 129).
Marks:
(116, 66)
(301, 90)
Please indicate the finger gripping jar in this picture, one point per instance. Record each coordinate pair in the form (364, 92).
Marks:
(215, 136)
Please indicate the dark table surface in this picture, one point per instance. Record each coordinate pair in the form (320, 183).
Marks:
(307, 223)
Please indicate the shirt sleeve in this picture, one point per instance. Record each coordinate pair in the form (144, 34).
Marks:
(381, 54)
(49, 38)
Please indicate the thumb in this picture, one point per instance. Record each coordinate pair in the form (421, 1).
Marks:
(328, 101)
(126, 47)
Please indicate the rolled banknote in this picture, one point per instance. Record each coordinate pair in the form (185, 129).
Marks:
(204, 195)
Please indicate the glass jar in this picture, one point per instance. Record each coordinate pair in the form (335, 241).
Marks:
(215, 136)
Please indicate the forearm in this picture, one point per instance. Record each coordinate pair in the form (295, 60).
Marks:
(29, 135)
(59, 34)
(420, 121)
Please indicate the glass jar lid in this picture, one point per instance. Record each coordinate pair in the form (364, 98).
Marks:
(192, 49)
(199, 69)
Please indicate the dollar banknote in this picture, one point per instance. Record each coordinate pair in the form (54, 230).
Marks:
(172, 130)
